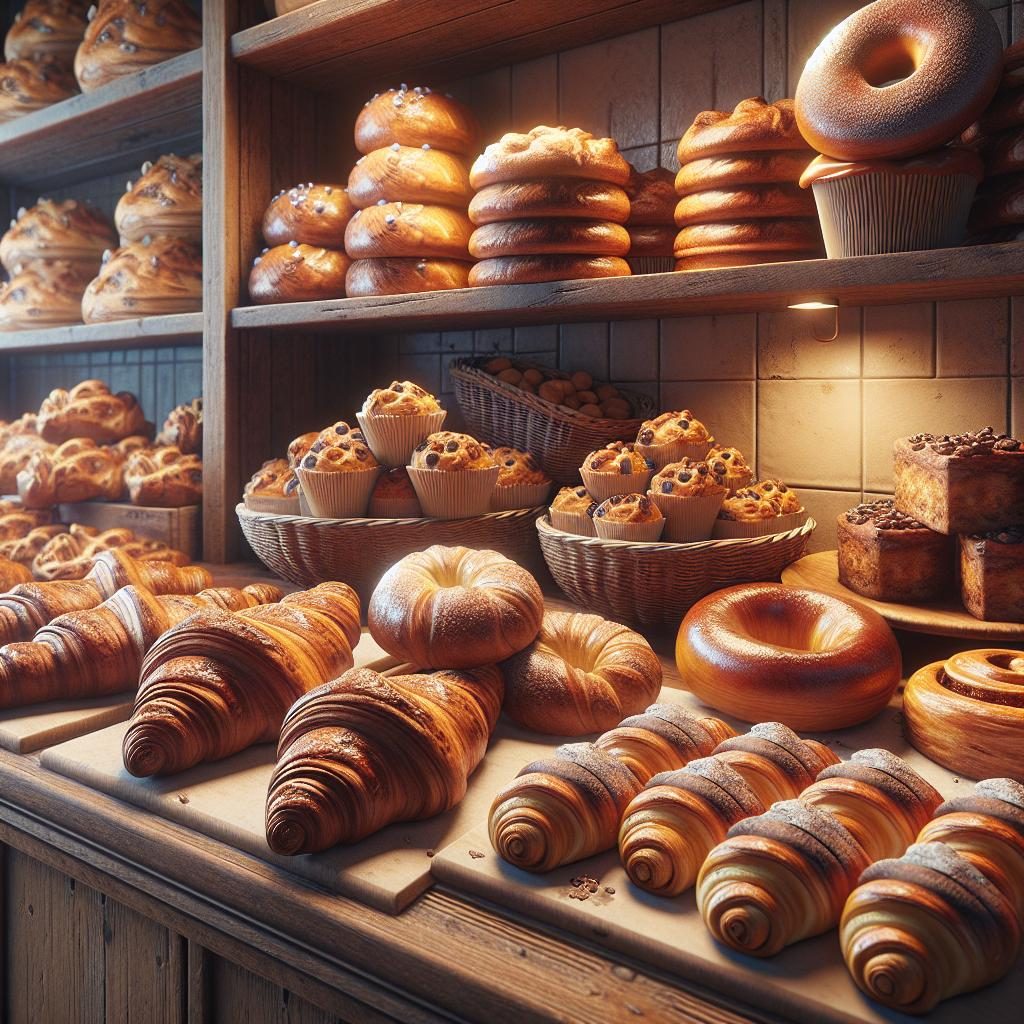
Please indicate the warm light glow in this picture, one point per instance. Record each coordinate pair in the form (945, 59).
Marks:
(815, 304)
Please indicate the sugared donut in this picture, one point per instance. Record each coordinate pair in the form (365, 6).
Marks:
(549, 236)
(899, 77)
(414, 117)
(455, 608)
(765, 652)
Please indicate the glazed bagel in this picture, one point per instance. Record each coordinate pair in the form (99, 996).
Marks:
(43, 295)
(553, 197)
(898, 78)
(298, 273)
(651, 239)
(47, 30)
(455, 607)
(724, 172)
(414, 117)
(743, 258)
(748, 203)
(544, 237)
(536, 269)
(167, 200)
(412, 174)
(309, 214)
(408, 229)
(26, 85)
(749, 236)
(402, 276)
(652, 196)
(582, 674)
(765, 652)
(754, 125)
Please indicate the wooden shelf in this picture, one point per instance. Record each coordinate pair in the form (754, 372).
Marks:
(183, 328)
(126, 122)
(340, 42)
(980, 271)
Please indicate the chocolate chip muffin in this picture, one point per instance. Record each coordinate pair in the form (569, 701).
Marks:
(776, 490)
(689, 493)
(737, 473)
(618, 468)
(447, 451)
(767, 507)
(267, 490)
(337, 479)
(396, 418)
(632, 517)
(400, 398)
(673, 436)
(394, 497)
(454, 475)
(521, 481)
(572, 511)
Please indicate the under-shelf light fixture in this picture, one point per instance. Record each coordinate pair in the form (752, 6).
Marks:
(816, 304)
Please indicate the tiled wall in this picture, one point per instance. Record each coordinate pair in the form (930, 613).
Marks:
(822, 416)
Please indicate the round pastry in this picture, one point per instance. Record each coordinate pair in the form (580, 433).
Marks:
(673, 436)
(337, 476)
(765, 652)
(652, 196)
(298, 273)
(742, 258)
(44, 295)
(737, 473)
(405, 276)
(549, 153)
(90, 410)
(521, 481)
(651, 240)
(454, 475)
(537, 269)
(740, 204)
(741, 170)
(775, 490)
(334, 434)
(629, 517)
(898, 78)
(394, 496)
(752, 512)
(26, 85)
(138, 280)
(300, 445)
(618, 468)
(399, 398)
(408, 229)
(572, 511)
(412, 174)
(125, 36)
(309, 214)
(455, 608)
(549, 237)
(775, 236)
(414, 117)
(397, 418)
(754, 125)
(268, 489)
(447, 451)
(47, 31)
(582, 674)
(166, 200)
(550, 197)
(689, 494)
(57, 230)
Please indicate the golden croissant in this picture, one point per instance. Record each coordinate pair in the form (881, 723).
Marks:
(220, 682)
(13, 574)
(364, 751)
(569, 806)
(100, 650)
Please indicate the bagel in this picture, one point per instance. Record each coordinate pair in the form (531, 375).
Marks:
(748, 236)
(414, 117)
(408, 229)
(544, 237)
(651, 239)
(742, 258)
(754, 125)
(652, 196)
(309, 214)
(741, 170)
(553, 197)
(898, 78)
(412, 174)
(753, 203)
(536, 269)
(404, 275)
(297, 273)
(767, 652)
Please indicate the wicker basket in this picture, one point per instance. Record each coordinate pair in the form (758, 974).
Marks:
(559, 437)
(359, 551)
(654, 584)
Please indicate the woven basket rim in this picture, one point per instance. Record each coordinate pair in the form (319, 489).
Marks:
(241, 510)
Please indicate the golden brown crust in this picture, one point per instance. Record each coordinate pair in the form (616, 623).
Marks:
(164, 478)
(405, 275)
(310, 214)
(183, 428)
(79, 470)
(411, 174)
(90, 410)
(741, 170)
(26, 85)
(57, 230)
(550, 197)
(408, 229)
(652, 196)
(537, 269)
(549, 237)
(753, 125)
(741, 204)
(43, 295)
(298, 273)
(414, 117)
(775, 236)
(47, 30)
(744, 258)
(167, 200)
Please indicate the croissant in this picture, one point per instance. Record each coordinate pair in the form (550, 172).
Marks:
(12, 574)
(164, 478)
(100, 650)
(90, 410)
(220, 682)
(669, 829)
(569, 806)
(79, 470)
(30, 606)
(364, 751)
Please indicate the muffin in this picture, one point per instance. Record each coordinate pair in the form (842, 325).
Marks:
(673, 436)
(572, 511)
(267, 490)
(393, 496)
(631, 517)
(689, 493)
(776, 490)
(454, 475)
(300, 446)
(336, 432)
(337, 478)
(767, 507)
(618, 468)
(737, 473)
(521, 481)
(396, 418)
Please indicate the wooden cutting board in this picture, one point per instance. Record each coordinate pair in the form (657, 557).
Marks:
(23, 730)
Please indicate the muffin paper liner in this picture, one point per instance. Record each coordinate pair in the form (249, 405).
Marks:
(688, 518)
(724, 529)
(338, 495)
(393, 438)
(454, 494)
(275, 506)
(651, 264)
(664, 454)
(647, 532)
(734, 484)
(504, 499)
(605, 485)
(578, 523)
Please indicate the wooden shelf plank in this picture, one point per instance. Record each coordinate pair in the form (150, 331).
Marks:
(979, 271)
(130, 120)
(340, 42)
(181, 328)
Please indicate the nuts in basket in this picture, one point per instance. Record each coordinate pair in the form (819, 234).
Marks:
(579, 391)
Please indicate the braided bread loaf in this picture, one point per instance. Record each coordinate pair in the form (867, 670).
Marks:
(77, 470)
(164, 478)
(183, 428)
(26, 549)
(90, 410)
(15, 456)
(70, 556)
(20, 523)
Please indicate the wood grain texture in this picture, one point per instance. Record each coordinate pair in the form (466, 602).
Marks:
(23, 730)
(240, 995)
(177, 328)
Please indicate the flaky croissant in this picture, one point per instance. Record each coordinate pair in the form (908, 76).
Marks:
(219, 682)
(100, 650)
(569, 806)
(364, 751)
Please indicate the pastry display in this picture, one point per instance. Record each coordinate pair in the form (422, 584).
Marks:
(273, 488)
(25, 549)
(164, 477)
(738, 473)
(311, 214)
(183, 428)
(166, 201)
(397, 418)
(672, 436)
(581, 675)
(766, 507)
(78, 470)
(454, 475)
(90, 410)
(12, 574)
(618, 468)
(651, 223)
(71, 555)
(690, 494)
(221, 681)
(27, 85)
(45, 294)
(629, 517)
(366, 750)
(573, 510)
(47, 32)
(337, 478)
(992, 574)
(521, 482)
(394, 496)
(57, 230)
(455, 608)
(765, 652)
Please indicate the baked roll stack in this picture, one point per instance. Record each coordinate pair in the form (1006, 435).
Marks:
(411, 188)
(550, 205)
(651, 224)
(166, 201)
(740, 202)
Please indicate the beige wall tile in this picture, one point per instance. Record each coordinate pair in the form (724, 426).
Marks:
(634, 350)
(1017, 406)
(809, 22)
(809, 432)
(825, 506)
(971, 337)
(534, 93)
(728, 408)
(899, 341)
(709, 347)
(584, 347)
(1017, 329)
(896, 408)
(787, 348)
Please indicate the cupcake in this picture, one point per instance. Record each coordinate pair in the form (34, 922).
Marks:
(521, 481)
(572, 511)
(753, 512)
(631, 517)
(737, 473)
(396, 418)
(454, 475)
(268, 491)
(689, 494)
(673, 436)
(617, 469)
(394, 497)
(337, 478)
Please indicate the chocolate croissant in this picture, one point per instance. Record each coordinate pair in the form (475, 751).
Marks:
(364, 751)
(220, 682)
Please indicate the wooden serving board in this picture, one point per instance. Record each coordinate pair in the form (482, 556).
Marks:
(820, 571)
(23, 730)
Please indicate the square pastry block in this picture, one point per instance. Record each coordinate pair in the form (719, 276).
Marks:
(992, 578)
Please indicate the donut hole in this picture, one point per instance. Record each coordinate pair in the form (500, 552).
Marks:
(891, 62)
